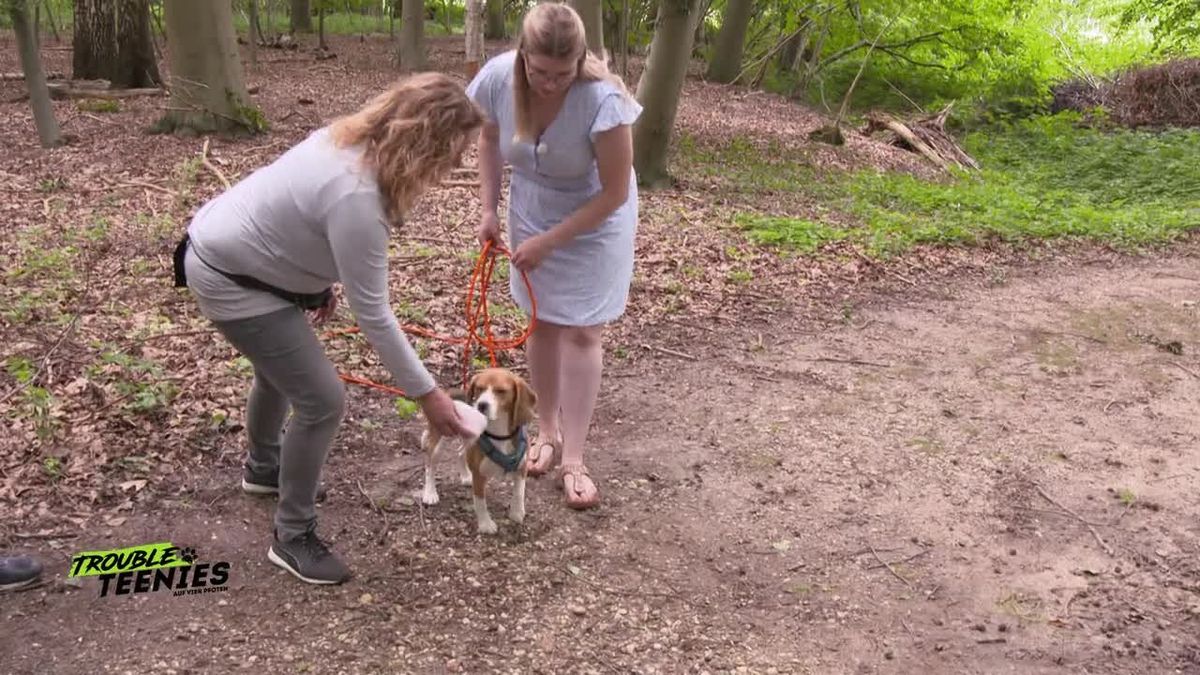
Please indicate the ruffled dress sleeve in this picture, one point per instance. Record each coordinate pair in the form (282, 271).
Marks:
(616, 108)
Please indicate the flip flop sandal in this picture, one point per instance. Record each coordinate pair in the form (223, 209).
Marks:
(574, 496)
(539, 459)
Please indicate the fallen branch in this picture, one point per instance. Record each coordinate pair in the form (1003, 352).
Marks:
(1076, 516)
(212, 167)
(671, 352)
(20, 77)
(891, 569)
(62, 91)
(900, 562)
(924, 135)
(1186, 370)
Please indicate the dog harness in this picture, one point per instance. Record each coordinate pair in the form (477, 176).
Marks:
(511, 462)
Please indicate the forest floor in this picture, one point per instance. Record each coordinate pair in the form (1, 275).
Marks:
(963, 460)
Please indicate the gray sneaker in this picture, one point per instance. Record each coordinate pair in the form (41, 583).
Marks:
(308, 559)
(18, 571)
(267, 483)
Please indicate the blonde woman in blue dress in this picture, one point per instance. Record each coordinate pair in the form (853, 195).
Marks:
(562, 121)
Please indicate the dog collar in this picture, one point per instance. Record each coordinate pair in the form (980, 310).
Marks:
(511, 462)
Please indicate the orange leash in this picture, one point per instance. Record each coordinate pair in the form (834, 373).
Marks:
(477, 318)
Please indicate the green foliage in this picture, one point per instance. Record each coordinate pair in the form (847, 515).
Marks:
(1043, 178)
(1175, 24)
(406, 408)
(1000, 54)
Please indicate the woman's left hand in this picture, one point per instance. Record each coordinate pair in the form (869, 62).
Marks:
(532, 251)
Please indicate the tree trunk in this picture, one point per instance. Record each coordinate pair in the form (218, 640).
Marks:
(301, 16)
(659, 88)
(48, 130)
(112, 41)
(474, 32)
(208, 92)
(255, 33)
(412, 36)
(592, 13)
(495, 20)
(726, 61)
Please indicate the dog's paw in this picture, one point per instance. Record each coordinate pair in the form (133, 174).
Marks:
(488, 526)
(429, 497)
(516, 514)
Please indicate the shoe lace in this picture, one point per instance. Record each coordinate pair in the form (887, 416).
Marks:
(314, 546)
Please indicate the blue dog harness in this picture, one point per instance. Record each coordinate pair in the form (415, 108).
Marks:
(511, 462)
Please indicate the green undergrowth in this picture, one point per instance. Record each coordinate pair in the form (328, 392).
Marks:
(1045, 178)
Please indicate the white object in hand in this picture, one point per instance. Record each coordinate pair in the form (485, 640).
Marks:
(475, 420)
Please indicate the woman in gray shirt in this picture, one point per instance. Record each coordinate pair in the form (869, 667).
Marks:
(260, 254)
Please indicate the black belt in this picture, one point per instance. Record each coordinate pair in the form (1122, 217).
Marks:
(303, 300)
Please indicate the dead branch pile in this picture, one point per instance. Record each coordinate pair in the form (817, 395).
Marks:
(925, 135)
(1163, 95)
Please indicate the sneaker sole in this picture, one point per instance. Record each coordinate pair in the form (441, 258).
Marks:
(274, 557)
(17, 585)
(256, 489)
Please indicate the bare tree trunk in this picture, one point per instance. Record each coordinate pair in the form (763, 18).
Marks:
(412, 36)
(208, 92)
(48, 130)
(659, 88)
(112, 41)
(726, 61)
(474, 33)
(255, 33)
(301, 16)
(495, 20)
(592, 13)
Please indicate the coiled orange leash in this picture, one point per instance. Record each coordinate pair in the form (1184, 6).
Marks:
(477, 318)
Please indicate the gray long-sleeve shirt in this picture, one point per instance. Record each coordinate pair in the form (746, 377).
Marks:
(311, 218)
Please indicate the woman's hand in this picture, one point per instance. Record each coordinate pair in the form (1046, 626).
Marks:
(326, 311)
(533, 251)
(442, 416)
(489, 229)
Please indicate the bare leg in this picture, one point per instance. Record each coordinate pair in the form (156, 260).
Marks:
(544, 353)
(582, 363)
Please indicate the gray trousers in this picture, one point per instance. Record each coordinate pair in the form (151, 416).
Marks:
(290, 366)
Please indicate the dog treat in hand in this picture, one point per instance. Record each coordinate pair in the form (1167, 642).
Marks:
(474, 419)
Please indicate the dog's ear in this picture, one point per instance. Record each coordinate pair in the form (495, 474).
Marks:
(472, 390)
(524, 403)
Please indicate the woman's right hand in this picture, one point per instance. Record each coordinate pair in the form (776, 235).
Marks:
(489, 229)
(442, 416)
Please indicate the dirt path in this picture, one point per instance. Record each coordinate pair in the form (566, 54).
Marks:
(752, 497)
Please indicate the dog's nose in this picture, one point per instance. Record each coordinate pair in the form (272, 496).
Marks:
(482, 406)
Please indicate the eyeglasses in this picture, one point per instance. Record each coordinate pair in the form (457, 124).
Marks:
(550, 78)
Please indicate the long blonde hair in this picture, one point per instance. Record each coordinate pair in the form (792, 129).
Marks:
(413, 135)
(556, 31)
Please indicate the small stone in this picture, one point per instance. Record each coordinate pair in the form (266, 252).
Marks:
(939, 622)
(979, 627)
(578, 610)
(889, 655)
(1012, 551)
(1003, 628)
(365, 599)
(1157, 641)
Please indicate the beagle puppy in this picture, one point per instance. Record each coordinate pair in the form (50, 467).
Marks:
(509, 404)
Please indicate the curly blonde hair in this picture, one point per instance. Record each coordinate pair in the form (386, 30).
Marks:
(556, 31)
(412, 135)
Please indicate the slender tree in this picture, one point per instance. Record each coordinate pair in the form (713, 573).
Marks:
(208, 92)
(592, 13)
(474, 34)
(48, 130)
(301, 16)
(411, 56)
(495, 29)
(726, 61)
(659, 88)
